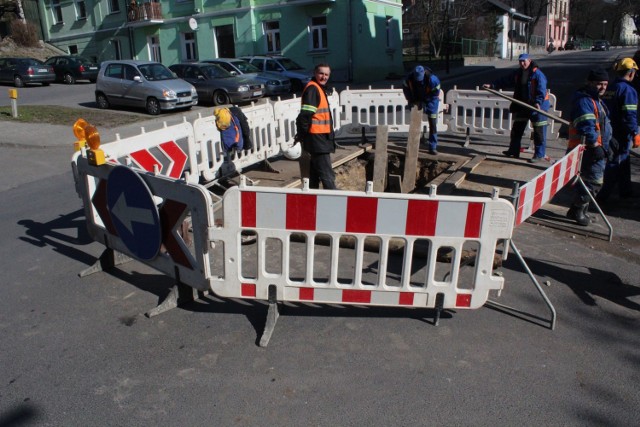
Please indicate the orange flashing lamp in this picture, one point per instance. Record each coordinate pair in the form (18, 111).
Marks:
(87, 134)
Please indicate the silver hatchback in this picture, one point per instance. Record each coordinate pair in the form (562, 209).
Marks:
(144, 84)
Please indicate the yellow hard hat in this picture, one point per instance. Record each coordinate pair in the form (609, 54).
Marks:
(626, 64)
(223, 118)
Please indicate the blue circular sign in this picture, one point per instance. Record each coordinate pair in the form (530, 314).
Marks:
(134, 212)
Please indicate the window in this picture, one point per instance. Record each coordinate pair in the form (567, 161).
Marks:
(318, 31)
(130, 72)
(189, 47)
(117, 49)
(389, 31)
(81, 10)
(272, 32)
(114, 6)
(153, 42)
(56, 10)
(73, 49)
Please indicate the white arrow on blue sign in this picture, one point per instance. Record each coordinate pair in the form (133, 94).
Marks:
(134, 212)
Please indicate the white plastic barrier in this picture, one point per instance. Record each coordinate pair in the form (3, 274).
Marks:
(482, 113)
(165, 149)
(373, 107)
(542, 188)
(208, 146)
(388, 277)
(141, 215)
(286, 111)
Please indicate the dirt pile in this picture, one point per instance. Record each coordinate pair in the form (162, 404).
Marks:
(8, 48)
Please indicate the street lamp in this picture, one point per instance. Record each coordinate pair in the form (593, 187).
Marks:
(604, 23)
(511, 31)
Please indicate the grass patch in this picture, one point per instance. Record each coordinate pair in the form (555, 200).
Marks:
(56, 115)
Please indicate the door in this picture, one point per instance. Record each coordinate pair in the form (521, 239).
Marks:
(133, 92)
(224, 41)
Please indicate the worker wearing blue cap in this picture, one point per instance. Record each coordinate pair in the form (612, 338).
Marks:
(530, 87)
(422, 89)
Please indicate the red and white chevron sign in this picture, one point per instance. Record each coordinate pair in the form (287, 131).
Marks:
(177, 159)
(543, 187)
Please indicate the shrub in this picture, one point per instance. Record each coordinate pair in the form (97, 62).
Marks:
(24, 33)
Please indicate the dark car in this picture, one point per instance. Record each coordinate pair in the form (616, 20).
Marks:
(570, 45)
(217, 86)
(23, 71)
(600, 45)
(274, 83)
(70, 68)
(286, 67)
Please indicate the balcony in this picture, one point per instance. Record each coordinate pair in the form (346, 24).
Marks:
(141, 14)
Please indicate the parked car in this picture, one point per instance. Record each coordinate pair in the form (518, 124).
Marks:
(145, 84)
(217, 86)
(274, 83)
(70, 68)
(570, 45)
(600, 45)
(24, 71)
(298, 75)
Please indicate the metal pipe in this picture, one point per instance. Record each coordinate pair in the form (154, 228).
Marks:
(524, 104)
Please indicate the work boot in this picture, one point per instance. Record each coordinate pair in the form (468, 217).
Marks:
(579, 214)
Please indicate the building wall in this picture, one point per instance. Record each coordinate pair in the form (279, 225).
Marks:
(362, 43)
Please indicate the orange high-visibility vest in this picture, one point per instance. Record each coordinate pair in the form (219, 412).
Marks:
(321, 119)
(575, 138)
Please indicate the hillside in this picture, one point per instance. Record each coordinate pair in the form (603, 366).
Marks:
(9, 49)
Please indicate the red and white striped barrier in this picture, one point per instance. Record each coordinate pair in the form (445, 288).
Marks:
(543, 187)
(438, 222)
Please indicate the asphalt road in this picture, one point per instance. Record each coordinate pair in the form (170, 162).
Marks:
(78, 351)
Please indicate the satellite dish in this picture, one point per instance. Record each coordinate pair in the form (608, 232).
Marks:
(193, 24)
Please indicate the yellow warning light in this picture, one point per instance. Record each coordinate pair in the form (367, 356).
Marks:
(87, 134)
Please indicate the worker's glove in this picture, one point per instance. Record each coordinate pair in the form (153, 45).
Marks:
(597, 152)
(298, 137)
(636, 141)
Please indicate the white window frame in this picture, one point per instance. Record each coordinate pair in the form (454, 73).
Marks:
(56, 12)
(272, 36)
(189, 47)
(153, 43)
(114, 6)
(81, 10)
(318, 32)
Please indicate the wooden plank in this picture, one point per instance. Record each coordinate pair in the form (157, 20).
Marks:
(381, 159)
(453, 181)
(413, 147)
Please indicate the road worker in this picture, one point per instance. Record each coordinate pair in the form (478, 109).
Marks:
(421, 88)
(314, 127)
(530, 87)
(589, 126)
(622, 100)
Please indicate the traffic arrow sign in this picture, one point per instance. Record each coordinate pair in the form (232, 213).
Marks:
(134, 212)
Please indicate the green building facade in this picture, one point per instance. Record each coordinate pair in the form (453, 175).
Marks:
(360, 39)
